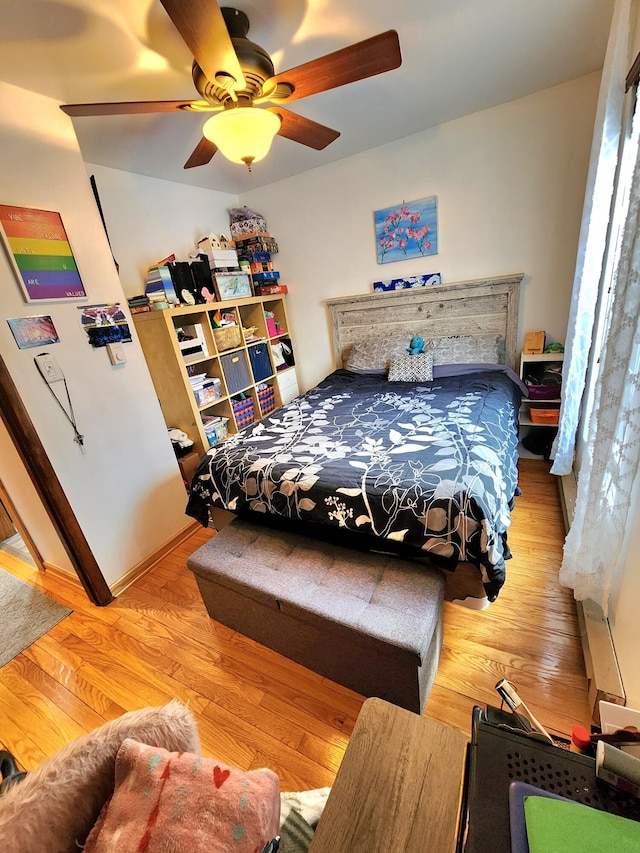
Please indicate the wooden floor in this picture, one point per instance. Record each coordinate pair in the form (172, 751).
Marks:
(255, 708)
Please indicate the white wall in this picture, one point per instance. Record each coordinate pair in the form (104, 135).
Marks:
(148, 219)
(510, 184)
(125, 490)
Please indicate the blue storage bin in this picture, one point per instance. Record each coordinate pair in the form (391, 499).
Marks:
(260, 359)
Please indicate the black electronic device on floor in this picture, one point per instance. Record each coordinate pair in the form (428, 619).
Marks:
(498, 755)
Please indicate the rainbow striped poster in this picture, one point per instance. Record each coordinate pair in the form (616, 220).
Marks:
(39, 251)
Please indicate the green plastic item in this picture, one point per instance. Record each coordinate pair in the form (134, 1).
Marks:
(556, 825)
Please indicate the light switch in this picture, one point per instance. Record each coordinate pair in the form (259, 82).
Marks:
(49, 367)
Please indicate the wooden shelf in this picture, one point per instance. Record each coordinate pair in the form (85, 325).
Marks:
(533, 360)
(170, 370)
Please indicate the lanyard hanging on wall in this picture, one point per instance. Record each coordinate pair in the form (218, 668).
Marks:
(51, 373)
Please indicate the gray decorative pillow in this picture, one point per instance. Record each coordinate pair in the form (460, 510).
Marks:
(373, 355)
(411, 368)
(468, 349)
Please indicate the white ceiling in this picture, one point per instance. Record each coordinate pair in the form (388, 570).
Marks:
(458, 56)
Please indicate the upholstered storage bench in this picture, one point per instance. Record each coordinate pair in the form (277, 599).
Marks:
(370, 622)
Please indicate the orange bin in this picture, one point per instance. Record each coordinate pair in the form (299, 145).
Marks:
(545, 416)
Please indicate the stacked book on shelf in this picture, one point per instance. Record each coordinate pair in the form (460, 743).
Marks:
(139, 304)
(160, 289)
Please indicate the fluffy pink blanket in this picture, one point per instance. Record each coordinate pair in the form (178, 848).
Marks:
(166, 802)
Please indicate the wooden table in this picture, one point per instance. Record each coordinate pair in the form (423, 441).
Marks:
(398, 788)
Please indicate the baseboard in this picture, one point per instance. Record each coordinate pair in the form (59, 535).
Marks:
(601, 663)
(119, 586)
(59, 572)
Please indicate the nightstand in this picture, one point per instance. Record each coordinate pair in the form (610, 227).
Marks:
(542, 408)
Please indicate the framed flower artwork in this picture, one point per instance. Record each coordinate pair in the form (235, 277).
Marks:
(408, 230)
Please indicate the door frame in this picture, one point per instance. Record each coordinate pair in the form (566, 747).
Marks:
(5, 499)
(43, 476)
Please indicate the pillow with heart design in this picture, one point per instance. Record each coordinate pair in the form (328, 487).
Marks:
(182, 801)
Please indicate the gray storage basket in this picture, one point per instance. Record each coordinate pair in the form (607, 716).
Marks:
(236, 371)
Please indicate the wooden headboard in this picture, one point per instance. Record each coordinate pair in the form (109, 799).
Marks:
(481, 307)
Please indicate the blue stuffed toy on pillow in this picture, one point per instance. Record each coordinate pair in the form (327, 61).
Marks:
(416, 345)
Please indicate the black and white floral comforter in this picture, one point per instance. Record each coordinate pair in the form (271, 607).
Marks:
(432, 466)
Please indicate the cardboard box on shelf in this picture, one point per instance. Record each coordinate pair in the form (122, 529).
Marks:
(188, 465)
(270, 289)
(533, 343)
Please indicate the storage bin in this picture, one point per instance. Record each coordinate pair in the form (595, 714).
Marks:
(544, 392)
(274, 328)
(216, 429)
(227, 337)
(243, 412)
(209, 392)
(255, 224)
(545, 416)
(266, 399)
(260, 359)
(236, 372)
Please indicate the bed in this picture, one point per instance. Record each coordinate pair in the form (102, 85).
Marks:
(426, 468)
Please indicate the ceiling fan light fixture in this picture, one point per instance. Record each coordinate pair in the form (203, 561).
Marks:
(242, 134)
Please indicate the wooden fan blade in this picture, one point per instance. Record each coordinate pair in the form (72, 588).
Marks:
(129, 108)
(202, 27)
(304, 130)
(364, 59)
(202, 154)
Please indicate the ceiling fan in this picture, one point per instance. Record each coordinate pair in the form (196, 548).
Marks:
(235, 77)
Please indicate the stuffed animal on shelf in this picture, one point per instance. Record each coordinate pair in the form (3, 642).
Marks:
(416, 345)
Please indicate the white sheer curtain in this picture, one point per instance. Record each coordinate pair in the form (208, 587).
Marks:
(593, 236)
(596, 540)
